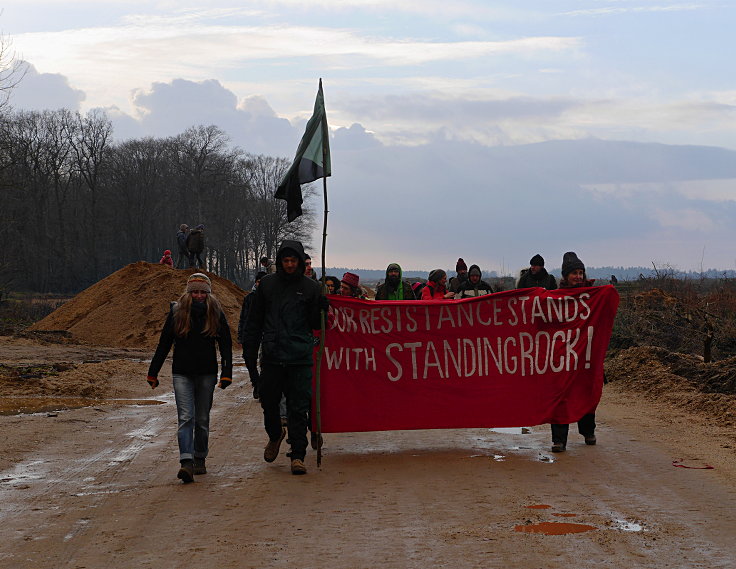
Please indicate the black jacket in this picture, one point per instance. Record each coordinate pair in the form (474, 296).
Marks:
(284, 311)
(194, 354)
(542, 278)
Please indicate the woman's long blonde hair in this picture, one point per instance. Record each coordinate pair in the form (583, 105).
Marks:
(183, 315)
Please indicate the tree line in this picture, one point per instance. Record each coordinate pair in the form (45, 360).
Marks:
(78, 206)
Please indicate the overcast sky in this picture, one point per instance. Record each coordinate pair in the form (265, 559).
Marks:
(417, 95)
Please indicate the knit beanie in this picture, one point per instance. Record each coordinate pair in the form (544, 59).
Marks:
(570, 262)
(537, 261)
(436, 275)
(352, 279)
(167, 252)
(199, 281)
(461, 266)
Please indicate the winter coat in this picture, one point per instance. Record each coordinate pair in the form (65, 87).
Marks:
(433, 291)
(470, 290)
(284, 312)
(456, 282)
(195, 241)
(181, 240)
(542, 279)
(194, 354)
(247, 301)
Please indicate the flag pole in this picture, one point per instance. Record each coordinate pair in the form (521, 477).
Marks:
(318, 409)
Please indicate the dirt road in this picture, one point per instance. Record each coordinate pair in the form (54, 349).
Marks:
(96, 487)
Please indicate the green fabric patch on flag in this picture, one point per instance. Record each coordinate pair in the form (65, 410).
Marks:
(312, 160)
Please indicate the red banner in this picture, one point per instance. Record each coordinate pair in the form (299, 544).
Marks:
(517, 358)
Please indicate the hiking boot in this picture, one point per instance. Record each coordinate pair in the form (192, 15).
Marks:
(297, 466)
(186, 472)
(590, 439)
(558, 447)
(316, 441)
(256, 393)
(272, 448)
(199, 466)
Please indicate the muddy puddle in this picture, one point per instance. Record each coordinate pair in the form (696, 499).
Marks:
(554, 528)
(28, 405)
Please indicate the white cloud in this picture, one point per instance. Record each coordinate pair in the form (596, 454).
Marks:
(615, 10)
(39, 91)
(685, 219)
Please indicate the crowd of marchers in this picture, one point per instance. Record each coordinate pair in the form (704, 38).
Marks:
(276, 331)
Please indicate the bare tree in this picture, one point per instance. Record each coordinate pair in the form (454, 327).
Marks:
(12, 70)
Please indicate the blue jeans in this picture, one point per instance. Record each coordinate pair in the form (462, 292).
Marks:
(193, 403)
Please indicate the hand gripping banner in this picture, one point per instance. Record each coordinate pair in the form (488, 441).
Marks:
(518, 358)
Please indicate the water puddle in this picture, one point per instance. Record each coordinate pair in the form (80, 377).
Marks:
(512, 430)
(27, 405)
(623, 525)
(554, 528)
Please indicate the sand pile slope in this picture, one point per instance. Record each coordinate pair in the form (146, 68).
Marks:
(128, 308)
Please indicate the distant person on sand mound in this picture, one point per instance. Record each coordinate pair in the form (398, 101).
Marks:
(184, 260)
(195, 244)
(573, 276)
(166, 259)
(195, 324)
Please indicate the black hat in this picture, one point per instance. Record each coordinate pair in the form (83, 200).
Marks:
(537, 261)
(570, 262)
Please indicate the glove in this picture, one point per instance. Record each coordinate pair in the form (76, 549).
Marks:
(224, 382)
(324, 303)
(152, 381)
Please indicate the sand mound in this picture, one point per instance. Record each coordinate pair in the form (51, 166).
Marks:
(110, 379)
(680, 380)
(128, 308)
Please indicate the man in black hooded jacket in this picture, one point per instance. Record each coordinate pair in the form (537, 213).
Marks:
(285, 310)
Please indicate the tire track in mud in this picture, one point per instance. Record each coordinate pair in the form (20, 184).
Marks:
(53, 496)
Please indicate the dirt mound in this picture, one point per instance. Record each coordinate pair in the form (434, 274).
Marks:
(128, 308)
(681, 380)
(109, 379)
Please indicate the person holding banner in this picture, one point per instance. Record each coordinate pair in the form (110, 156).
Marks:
(461, 277)
(536, 275)
(474, 286)
(350, 286)
(395, 287)
(436, 286)
(573, 275)
(332, 284)
(285, 311)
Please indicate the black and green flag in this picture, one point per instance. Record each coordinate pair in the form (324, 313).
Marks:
(312, 160)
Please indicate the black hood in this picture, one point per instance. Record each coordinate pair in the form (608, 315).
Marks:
(293, 247)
